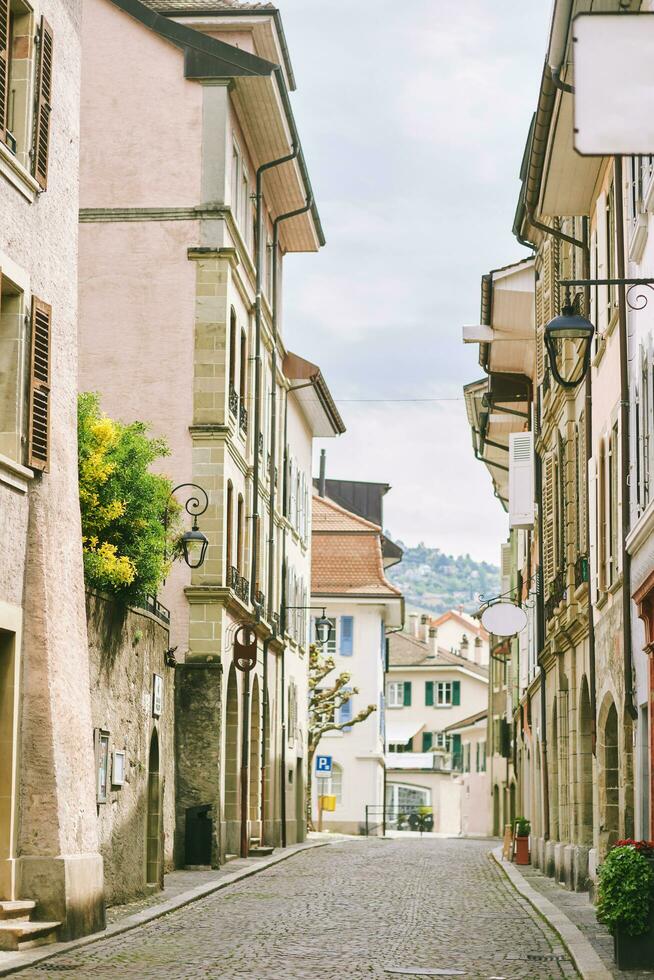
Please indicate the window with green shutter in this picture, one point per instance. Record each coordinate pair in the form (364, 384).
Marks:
(426, 741)
(407, 694)
(457, 759)
(429, 693)
(456, 692)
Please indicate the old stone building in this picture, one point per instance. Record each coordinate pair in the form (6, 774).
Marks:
(48, 835)
(191, 200)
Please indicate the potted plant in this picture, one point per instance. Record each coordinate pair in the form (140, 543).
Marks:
(522, 831)
(625, 906)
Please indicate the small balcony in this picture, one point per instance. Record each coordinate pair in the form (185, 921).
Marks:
(556, 595)
(238, 584)
(233, 401)
(243, 419)
(261, 444)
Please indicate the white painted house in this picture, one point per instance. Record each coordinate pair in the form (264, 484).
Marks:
(348, 581)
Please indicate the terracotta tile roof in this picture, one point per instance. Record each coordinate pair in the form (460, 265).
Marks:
(472, 624)
(408, 651)
(346, 553)
(327, 515)
(203, 6)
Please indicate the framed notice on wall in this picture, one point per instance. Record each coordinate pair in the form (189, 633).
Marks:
(157, 695)
(118, 769)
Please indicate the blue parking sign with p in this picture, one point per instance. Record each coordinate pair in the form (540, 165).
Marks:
(323, 765)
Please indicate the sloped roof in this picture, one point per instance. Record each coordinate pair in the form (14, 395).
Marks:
(468, 722)
(408, 651)
(172, 7)
(315, 399)
(468, 621)
(346, 554)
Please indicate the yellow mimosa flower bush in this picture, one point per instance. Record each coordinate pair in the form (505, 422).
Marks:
(122, 504)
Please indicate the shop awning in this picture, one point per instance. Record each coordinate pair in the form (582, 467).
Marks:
(399, 730)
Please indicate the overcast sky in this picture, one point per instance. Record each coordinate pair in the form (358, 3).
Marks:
(413, 117)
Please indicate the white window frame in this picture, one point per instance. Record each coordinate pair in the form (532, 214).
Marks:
(395, 694)
(443, 694)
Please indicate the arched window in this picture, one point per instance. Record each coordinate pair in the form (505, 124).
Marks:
(232, 357)
(244, 366)
(229, 530)
(239, 535)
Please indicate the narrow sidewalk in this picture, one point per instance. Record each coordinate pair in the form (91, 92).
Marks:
(572, 914)
(180, 889)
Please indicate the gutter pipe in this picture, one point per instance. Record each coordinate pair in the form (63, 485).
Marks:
(540, 643)
(624, 446)
(559, 30)
(257, 362)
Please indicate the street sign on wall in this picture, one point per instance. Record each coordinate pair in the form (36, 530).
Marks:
(613, 57)
(323, 765)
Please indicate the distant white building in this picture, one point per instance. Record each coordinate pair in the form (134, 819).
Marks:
(436, 711)
(348, 580)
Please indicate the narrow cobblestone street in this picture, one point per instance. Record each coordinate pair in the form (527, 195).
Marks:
(356, 909)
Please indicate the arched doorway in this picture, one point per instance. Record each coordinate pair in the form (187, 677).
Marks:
(554, 770)
(232, 808)
(609, 778)
(585, 768)
(153, 827)
(255, 761)
(496, 810)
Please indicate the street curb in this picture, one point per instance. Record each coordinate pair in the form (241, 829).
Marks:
(43, 953)
(588, 963)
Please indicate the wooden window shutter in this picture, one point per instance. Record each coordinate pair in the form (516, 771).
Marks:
(548, 522)
(38, 450)
(4, 66)
(427, 741)
(561, 505)
(406, 694)
(43, 105)
(456, 692)
(429, 693)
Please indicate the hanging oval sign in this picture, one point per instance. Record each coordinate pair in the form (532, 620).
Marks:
(504, 619)
(245, 648)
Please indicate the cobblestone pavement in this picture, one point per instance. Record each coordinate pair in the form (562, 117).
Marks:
(580, 910)
(355, 909)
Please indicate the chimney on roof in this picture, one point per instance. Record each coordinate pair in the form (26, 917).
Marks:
(424, 628)
(433, 642)
(414, 624)
(323, 468)
(479, 650)
(465, 646)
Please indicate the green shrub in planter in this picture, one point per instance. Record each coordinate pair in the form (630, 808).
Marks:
(522, 827)
(625, 889)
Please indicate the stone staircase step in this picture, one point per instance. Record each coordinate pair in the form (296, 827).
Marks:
(20, 910)
(231, 857)
(17, 935)
(262, 851)
(255, 841)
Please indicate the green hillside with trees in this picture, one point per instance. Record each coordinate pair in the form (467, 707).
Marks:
(435, 582)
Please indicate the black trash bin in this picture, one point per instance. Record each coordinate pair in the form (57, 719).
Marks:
(199, 824)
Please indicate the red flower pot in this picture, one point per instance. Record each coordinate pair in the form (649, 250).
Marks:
(521, 850)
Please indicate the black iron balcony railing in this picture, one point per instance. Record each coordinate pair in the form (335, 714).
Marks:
(239, 585)
(261, 443)
(152, 605)
(556, 595)
(243, 418)
(233, 401)
(259, 598)
(546, 381)
(581, 570)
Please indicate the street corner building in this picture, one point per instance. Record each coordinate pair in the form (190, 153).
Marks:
(193, 196)
(50, 863)
(563, 422)
(348, 581)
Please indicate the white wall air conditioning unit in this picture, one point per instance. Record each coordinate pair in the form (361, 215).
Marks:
(521, 479)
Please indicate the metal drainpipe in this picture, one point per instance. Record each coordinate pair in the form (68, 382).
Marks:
(271, 480)
(257, 360)
(540, 644)
(624, 446)
(588, 434)
(282, 755)
(245, 763)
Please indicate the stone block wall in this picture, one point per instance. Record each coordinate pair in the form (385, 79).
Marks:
(126, 648)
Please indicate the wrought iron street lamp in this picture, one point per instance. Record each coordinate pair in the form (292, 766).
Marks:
(194, 543)
(323, 624)
(569, 326)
